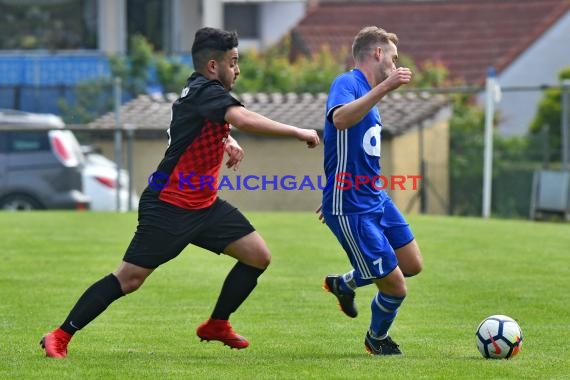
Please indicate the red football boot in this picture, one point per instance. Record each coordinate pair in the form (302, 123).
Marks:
(55, 343)
(220, 329)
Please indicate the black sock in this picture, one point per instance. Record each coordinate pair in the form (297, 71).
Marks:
(92, 303)
(239, 283)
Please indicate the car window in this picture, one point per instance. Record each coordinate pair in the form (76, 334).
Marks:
(27, 141)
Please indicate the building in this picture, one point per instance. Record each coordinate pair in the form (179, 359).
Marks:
(526, 41)
(48, 46)
(415, 141)
(105, 25)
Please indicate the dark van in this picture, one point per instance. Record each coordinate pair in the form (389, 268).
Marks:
(40, 163)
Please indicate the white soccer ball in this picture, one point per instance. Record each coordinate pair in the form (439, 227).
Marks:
(499, 337)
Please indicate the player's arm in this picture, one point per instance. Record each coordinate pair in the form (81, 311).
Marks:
(351, 113)
(252, 122)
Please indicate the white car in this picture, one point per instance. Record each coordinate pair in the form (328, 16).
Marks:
(100, 183)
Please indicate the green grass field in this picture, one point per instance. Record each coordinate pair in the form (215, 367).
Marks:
(473, 268)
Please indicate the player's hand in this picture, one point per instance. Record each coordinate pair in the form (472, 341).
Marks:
(319, 211)
(310, 136)
(235, 154)
(398, 77)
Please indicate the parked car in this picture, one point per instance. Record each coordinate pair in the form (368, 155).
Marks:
(100, 182)
(40, 163)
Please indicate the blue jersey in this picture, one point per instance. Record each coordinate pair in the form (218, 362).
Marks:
(352, 156)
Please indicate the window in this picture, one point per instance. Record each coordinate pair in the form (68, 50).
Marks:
(244, 18)
(28, 142)
(146, 17)
(52, 25)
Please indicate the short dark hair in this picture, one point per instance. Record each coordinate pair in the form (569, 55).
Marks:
(211, 43)
(368, 37)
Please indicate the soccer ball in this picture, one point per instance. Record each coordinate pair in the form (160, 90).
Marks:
(499, 337)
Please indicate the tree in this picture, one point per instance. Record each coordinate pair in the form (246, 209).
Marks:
(549, 114)
(95, 97)
(272, 71)
(466, 156)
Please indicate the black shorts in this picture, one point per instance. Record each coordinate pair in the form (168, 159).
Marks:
(164, 230)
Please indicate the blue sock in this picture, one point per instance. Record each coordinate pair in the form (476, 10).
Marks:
(384, 311)
(353, 281)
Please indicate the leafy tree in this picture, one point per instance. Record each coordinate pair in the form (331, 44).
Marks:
(549, 114)
(95, 97)
(431, 74)
(514, 161)
(171, 73)
(466, 156)
(272, 70)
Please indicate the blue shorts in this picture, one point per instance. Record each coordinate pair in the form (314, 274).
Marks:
(370, 239)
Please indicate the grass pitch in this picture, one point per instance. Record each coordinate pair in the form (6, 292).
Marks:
(473, 268)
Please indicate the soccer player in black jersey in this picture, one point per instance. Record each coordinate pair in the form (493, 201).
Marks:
(180, 208)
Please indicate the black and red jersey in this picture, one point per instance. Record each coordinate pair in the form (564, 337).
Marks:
(197, 136)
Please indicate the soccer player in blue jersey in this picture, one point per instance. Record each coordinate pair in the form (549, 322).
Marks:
(375, 235)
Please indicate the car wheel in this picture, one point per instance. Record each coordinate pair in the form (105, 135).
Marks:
(19, 202)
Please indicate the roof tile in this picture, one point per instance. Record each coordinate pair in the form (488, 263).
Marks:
(400, 111)
(466, 35)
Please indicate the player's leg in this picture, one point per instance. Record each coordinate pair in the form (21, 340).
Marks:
(232, 234)
(385, 304)
(392, 288)
(375, 259)
(253, 257)
(126, 279)
(410, 259)
(401, 238)
(149, 248)
(94, 301)
(353, 280)
(343, 286)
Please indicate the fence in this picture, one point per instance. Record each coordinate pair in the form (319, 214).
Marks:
(515, 158)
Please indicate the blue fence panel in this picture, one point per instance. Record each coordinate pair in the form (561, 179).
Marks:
(42, 100)
(61, 69)
(11, 70)
(36, 82)
(7, 97)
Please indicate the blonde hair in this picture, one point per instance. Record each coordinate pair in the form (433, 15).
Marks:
(367, 38)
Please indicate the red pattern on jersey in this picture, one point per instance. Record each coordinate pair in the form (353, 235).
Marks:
(201, 161)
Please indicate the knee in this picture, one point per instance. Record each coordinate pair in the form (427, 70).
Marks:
(400, 291)
(131, 283)
(395, 286)
(414, 269)
(263, 260)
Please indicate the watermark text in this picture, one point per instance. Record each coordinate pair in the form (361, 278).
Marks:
(342, 181)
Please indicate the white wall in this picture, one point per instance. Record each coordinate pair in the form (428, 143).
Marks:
(112, 26)
(538, 65)
(277, 18)
(186, 20)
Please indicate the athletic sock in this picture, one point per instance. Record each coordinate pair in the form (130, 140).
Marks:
(92, 303)
(384, 311)
(239, 283)
(353, 281)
